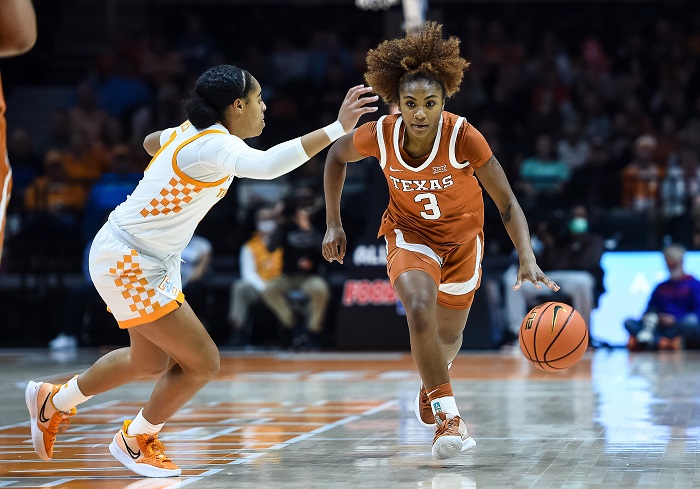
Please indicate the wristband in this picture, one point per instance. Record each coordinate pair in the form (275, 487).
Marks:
(334, 131)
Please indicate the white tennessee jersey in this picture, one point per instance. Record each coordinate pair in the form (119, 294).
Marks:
(191, 172)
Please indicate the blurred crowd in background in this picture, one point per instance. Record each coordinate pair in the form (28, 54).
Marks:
(584, 105)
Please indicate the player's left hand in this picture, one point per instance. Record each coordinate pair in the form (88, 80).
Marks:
(531, 272)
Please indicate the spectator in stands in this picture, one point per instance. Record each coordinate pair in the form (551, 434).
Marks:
(542, 176)
(667, 140)
(301, 275)
(120, 90)
(671, 319)
(573, 149)
(86, 161)
(54, 193)
(60, 130)
(194, 269)
(26, 163)
(258, 267)
(596, 183)
(161, 65)
(77, 299)
(110, 190)
(195, 45)
(679, 190)
(572, 260)
(86, 116)
(54, 206)
(641, 178)
(597, 122)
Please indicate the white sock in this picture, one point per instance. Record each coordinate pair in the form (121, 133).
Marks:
(141, 426)
(69, 396)
(445, 405)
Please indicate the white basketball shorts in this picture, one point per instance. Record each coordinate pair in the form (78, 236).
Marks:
(137, 288)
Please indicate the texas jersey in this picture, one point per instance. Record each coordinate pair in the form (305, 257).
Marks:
(436, 196)
(191, 172)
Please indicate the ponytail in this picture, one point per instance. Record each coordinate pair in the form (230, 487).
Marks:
(201, 113)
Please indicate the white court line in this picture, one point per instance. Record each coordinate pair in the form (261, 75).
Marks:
(253, 456)
(242, 460)
(58, 482)
(261, 421)
(225, 431)
(335, 424)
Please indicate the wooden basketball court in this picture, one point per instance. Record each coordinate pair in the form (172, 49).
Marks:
(346, 420)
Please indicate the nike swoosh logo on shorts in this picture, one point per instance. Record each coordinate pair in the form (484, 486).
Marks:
(132, 454)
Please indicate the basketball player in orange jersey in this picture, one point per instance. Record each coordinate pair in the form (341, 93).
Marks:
(433, 225)
(135, 260)
(17, 36)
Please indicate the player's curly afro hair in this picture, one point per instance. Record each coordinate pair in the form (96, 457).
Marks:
(424, 55)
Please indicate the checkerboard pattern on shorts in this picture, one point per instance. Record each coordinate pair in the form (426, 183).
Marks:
(131, 279)
(171, 198)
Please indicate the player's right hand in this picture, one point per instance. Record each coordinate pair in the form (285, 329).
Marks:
(530, 272)
(334, 243)
(354, 106)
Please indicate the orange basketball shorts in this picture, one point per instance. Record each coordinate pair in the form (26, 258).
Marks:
(137, 288)
(456, 270)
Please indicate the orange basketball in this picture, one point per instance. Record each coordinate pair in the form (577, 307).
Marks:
(553, 336)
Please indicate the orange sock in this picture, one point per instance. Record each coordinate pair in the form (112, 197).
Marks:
(442, 390)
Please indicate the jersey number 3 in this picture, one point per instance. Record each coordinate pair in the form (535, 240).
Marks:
(432, 210)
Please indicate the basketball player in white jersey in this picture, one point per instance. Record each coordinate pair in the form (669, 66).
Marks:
(135, 260)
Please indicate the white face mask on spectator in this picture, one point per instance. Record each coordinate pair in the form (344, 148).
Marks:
(266, 226)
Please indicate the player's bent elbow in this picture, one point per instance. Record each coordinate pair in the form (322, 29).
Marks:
(17, 46)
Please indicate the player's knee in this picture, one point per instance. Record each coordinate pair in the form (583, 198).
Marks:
(212, 363)
(205, 366)
(449, 337)
(420, 312)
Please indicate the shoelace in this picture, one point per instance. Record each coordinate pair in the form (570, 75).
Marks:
(445, 425)
(157, 449)
(58, 422)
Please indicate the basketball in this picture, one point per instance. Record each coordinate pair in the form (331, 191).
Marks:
(553, 336)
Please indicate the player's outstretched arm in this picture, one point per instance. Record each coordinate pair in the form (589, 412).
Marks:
(342, 151)
(287, 156)
(495, 182)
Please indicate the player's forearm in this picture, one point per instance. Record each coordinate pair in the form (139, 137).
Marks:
(516, 226)
(320, 138)
(333, 182)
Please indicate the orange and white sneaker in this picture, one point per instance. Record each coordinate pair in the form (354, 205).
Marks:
(423, 409)
(46, 420)
(451, 437)
(143, 454)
